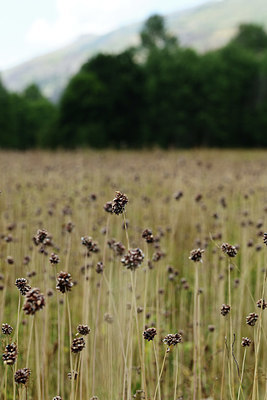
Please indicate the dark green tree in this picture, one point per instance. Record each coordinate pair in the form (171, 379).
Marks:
(103, 104)
(251, 37)
(154, 34)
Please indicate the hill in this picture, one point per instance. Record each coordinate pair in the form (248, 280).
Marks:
(205, 27)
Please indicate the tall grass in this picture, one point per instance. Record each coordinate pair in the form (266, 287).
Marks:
(173, 294)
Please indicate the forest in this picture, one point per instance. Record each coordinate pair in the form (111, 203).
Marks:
(157, 94)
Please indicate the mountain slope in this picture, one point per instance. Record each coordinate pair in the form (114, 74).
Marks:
(205, 27)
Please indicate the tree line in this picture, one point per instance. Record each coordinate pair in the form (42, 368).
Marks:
(156, 94)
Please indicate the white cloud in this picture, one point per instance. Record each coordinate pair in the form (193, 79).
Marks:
(76, 17)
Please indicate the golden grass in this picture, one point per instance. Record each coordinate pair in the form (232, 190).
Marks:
(48, 190)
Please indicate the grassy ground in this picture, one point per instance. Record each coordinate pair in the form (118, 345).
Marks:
(224, 199)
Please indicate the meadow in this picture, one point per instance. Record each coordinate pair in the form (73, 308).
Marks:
(125, 310)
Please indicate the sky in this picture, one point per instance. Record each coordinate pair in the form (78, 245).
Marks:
(29, 28)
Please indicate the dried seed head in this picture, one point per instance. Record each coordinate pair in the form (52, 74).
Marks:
(10, 354)
(22, 285)
(10, 260)
(119, 203)
(149, 334)
(196, 255)
(172, 339)
(99, 267)
(148, 236)
(54, 258)
(228, 249)
(251, 319)
(64, 283)
(261, 304)
(108, 207)
(7, 329)
(73, 375)
(133, 259)
(41, 236)
(108, 318)
(69, 227)
(178, 195)
(246, 342)
(225, 309)
(78, 344)
(211, 328)
(22, 376)
(83, 329)
(139, 395)
(157, 256)
(90, 244)
(117, 247)
(35, 301)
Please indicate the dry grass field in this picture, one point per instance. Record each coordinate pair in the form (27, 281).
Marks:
(53, 203)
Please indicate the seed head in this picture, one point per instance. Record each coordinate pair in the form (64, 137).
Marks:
(99, 267)
(73, 375)
(22, 376)
(261, 304)
(251, 319)
(10, 354)
(178, 195)
(246, 342)
(41, 236)
(119, 203)
(196, 255)
(35, 301)
(69, 227)
(228, 249)
(54, 258)
(211, 328)
(90, 244)
(149, 334)
(172, 339)
(78, 344)
(133, 259)
(108, 207)
(83, 329)
(64, 283)
(22, 285)
(108, 318)
(7, 329)
(225, 309)
(148, 236)
(117, 247)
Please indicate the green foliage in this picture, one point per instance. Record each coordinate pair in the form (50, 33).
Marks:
(154, 34)
(158, 94)
(102, 104)
(252, 37)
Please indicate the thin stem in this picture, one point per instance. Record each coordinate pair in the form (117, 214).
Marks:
(176, 373)
(70, 337)
(242, 373)
(30, 340)
(157, 365)
(159, 378)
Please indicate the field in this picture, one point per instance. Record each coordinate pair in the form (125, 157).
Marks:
(189, 200)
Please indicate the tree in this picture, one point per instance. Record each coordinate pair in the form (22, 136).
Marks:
(103, 103)
(251, 37)
(154, 34)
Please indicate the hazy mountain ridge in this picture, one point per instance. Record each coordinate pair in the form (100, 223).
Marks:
(205, 27)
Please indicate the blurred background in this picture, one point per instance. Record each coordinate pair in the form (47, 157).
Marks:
(133, 74)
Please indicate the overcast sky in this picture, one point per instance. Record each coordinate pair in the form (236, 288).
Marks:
(32, 27)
